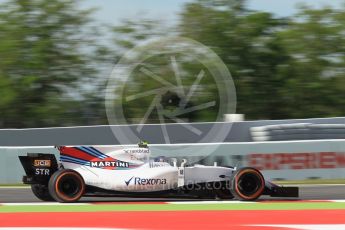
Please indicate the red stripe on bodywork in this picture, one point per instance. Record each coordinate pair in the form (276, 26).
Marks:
(73, 152)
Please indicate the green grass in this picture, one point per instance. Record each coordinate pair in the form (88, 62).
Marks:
(175, 207)
(14, 185)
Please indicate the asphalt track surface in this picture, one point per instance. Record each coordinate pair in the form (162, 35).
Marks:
(307, 192)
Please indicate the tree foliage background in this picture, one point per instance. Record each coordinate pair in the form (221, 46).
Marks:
(54, 67)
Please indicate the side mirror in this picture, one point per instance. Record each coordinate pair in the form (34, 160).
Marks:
(184, 162)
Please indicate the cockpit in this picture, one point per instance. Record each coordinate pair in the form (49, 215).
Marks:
(143, 154)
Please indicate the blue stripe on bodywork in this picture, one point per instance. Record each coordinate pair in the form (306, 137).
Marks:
(75, 162)
(83, 149)
(99, 152)
(79, 161)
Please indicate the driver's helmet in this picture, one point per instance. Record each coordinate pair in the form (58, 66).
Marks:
(143, 144)
(160, 159)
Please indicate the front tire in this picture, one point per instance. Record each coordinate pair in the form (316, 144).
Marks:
(247, 184)
(41, 192)
(66, 186)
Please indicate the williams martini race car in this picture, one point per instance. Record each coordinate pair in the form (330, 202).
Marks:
(130, 172)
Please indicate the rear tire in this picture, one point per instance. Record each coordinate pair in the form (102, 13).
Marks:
(41, 192)
(66, 186)
(247, 184)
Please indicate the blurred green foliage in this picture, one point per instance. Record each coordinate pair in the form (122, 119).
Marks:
(42, 62)
(52, 62)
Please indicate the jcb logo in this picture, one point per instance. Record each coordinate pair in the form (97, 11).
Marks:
(42, 163)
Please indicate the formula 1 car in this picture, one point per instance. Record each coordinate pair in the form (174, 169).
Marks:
(130, 172)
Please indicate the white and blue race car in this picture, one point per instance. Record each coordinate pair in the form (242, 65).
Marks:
(130, 172)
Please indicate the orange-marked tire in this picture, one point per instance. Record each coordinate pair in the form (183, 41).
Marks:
(247, 184)
(66, 186)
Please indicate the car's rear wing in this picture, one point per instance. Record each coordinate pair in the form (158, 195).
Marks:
(38, 167)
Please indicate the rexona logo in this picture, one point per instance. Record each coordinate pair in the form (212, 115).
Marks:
(145, 181)
(101, 164)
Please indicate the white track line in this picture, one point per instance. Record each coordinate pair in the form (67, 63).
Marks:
(173, 202)
(246, 202)
(339, 201)
(304, 226)
(211, 202)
